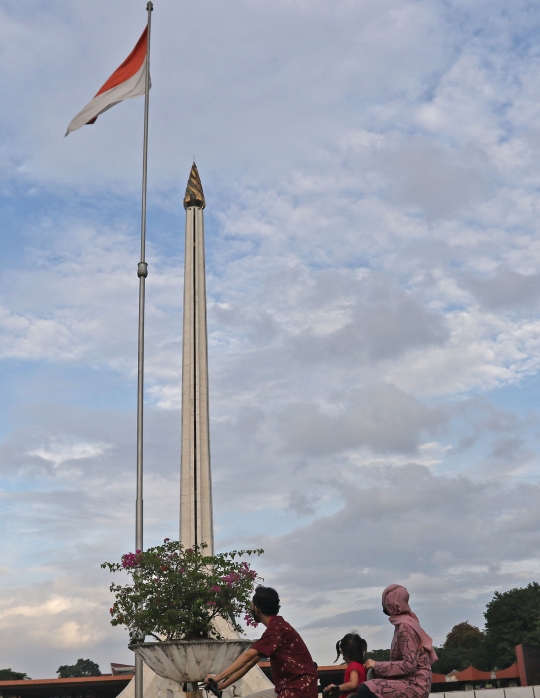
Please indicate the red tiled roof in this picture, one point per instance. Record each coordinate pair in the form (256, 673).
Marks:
(438, 678)
(75, 680)
(511, 673)
(472, 674)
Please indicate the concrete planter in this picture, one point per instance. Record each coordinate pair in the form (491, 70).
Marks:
(189, 661)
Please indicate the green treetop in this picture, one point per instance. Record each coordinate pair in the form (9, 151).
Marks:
(512, 618)
(82, 667)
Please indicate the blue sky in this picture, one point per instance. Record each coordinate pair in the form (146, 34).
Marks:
(372, 184)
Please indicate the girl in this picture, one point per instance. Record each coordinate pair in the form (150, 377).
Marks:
(353, 649)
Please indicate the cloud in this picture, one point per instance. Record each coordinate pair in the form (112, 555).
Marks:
(437, 180)
(433, 534)
(57, 626)
(403, 515)
(59, 453)
(371, 176)
(506, 290)
(384, 324)
(350, 619)
(379, 416)
(53, 606)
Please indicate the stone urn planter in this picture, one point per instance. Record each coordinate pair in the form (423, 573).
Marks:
(188, 661)
(176, 593)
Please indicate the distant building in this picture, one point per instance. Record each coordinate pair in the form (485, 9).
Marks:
(122, 669)
(104, 686)
(472, 678)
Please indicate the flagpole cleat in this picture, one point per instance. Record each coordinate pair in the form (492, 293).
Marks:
(142, 269)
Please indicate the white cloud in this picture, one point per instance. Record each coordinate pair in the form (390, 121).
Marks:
(58, 453)
(52, 606)
(371, 176)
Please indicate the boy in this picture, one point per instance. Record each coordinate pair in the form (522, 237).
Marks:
(293, 669)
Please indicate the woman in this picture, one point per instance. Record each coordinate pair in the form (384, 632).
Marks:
(408, 673)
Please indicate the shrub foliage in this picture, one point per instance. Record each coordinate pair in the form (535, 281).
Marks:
(176, 593)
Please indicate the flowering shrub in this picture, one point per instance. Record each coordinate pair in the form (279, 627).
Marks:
(176, 593)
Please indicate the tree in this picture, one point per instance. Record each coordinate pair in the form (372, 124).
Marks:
(465, 645)
(465, 636)
(9, 675)
(379, 655)
(82, 667)
(513, 618)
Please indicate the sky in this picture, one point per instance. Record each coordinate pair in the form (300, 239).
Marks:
(372, 179)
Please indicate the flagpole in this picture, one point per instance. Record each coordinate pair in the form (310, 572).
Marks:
(142, 273)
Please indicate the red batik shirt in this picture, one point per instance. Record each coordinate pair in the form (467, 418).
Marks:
(293, 669)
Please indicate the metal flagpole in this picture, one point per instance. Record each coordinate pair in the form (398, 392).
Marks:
(142, 273)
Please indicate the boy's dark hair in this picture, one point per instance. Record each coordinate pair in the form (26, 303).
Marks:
(267, 600)
(353, 647)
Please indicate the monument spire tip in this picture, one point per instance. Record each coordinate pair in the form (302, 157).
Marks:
(194, 192)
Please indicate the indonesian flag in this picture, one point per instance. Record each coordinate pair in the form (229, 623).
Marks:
(129, 80)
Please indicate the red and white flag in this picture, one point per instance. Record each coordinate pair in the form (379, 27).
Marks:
(129, 80)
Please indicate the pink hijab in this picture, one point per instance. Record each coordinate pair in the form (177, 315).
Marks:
(395, 600)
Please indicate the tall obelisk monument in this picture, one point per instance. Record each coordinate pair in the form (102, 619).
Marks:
(196, 521)
(196, 524)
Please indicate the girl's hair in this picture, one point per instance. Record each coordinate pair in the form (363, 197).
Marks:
(353, 647)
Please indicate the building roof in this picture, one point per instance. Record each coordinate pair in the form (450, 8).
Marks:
(74, 681)
(511, 673)
(80, 687)
(472, 674)
(438, 678)
(122, 669)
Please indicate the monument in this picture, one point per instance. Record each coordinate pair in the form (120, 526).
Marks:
(196, 525)
(196, 515)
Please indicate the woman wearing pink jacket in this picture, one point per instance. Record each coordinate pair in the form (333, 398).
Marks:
(408, 673)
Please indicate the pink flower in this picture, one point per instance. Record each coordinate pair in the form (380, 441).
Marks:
(211, 603)
(250, 621)
(216, 588)
(130, 560)
(166, 540)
